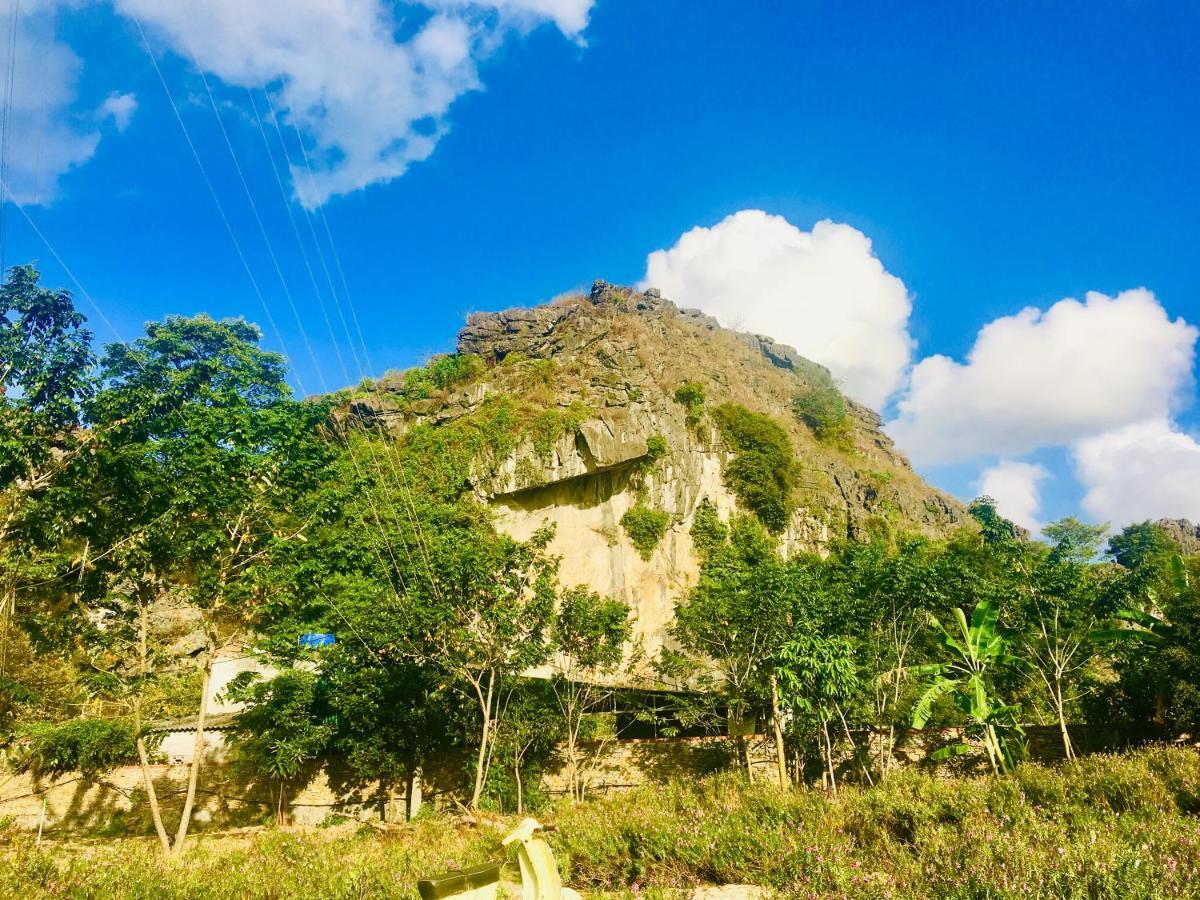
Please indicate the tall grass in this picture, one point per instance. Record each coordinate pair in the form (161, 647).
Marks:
(1105, 826)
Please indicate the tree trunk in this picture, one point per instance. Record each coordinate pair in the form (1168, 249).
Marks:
(517, 779)
(414, 798)
(185, 818)
(854, 747)
(484, 739)
(143, 756)
(827, 750)
(777, 721)
(1059, 707)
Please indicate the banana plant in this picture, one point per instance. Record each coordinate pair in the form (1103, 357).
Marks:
(974, 649)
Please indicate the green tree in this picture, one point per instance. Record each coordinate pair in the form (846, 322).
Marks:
(589, 636)
(817, 677)
(202, 456)
(1155, 643)
(45, 375)
(530, 728)
(281, 729)
(731, 626)
(974, 652)
(1065, 601)
(882, 593)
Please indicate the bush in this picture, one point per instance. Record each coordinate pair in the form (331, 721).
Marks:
(656, 447)
(823, 409)
(443, 373)
(88, 746)
(763, 474)
(645, 527)
(691, 395)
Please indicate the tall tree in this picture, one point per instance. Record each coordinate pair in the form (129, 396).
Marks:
(45, 375)
(589, 637)
(733, 623)
(203, 450)
(1066, 600)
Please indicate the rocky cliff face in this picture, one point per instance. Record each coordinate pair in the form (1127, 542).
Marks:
(611, 363)
(1184, 532)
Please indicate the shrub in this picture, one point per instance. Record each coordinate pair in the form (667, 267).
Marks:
(89, 746)
(708, 531)
(823, 409)
(656, 447)
(763, 474)
(645, 527)
(691, 396)
(443, 373)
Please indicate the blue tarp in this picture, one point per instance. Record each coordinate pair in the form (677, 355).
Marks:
(317, 640)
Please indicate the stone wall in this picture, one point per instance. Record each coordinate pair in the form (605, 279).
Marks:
(117, 801)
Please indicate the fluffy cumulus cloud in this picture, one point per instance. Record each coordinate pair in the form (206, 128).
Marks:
(48, 133)
(823, 291)
(368, 84)
(1052, 378)
(1015, 488)
(120, 108)
(1146, 470)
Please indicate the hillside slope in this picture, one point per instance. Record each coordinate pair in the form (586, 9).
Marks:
(617, 449)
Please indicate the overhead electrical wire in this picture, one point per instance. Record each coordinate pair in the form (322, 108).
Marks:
(238, 247)
(6, 128)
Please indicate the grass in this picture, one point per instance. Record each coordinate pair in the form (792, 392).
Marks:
(1105, 826)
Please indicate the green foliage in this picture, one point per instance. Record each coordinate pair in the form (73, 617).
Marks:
(282, 727)
(1075, 541)
(645, 527)
(763, 474)
(708, 531)
(1076, 832)
(442, 373)
(730, 626)
(973, 651)
(89, 746)
(823, 409)
(45, 358)
(656, 447)
(526, 740)
(997, 530)
(690, 395)
(549, 425)
(591, 630)
(817, 675)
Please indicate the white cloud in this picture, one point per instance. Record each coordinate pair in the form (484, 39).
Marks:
(571, 16)
(120, 108)
(1148, 470)
(47, 138)
(823, 291)
(368, 102)
(1015, 486)
(1049, 378)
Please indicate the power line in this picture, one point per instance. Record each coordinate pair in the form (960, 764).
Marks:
(6, 124)
(241, 255)
(213, 193)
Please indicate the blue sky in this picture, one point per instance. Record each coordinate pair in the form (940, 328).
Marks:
(996, 156)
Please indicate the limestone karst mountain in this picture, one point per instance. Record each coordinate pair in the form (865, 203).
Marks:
(636, 414)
